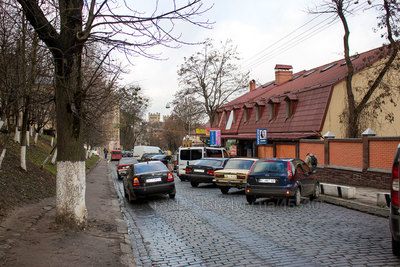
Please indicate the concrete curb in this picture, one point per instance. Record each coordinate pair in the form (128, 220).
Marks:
(354, 205)
(126, 257)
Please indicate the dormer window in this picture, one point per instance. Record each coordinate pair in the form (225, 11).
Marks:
(289, 109)
(290, 100)
(230, 120)
(245, 112)
(272, 111)
(258, 112)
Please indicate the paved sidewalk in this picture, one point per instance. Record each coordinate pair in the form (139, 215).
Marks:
(365, 200)
(29, 236)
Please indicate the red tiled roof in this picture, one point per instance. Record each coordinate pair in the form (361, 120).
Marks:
(310, 93)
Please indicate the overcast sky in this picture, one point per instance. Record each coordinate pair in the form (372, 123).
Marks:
(266, 33)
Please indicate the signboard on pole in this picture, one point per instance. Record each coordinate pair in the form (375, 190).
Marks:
(215, 137)
(262, 136)
(233, 150)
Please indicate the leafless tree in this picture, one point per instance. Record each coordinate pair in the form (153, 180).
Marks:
(378, 92)
(65, 32)
(213, 75)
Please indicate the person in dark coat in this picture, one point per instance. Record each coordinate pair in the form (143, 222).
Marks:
(105, 153)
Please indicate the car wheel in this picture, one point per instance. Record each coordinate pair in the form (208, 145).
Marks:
(251, 199)
(224, 190)
(131, 199)
(315, 194)
(119, 176)
(171, 195)
(395, 247)
(181, 178)
(297, 197)
(194, 184)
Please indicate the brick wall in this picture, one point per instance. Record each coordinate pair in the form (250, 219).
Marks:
(266, 151)
(381, 153)
(313, 147)
(353, 178)
(346, 153)
(285, 151)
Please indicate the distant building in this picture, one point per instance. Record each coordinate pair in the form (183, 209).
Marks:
(154, 117)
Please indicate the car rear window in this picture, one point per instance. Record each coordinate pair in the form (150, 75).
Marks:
(116, 152)
(128, 161)
(239, 164)
(191, 154)
(214, 153)
(150, 167)
(209, 163)
(270, 167)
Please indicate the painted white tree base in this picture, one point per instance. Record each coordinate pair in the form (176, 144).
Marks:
(70, 192)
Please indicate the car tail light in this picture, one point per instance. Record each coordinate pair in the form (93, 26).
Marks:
(394, 192)
(170, 177)
(136, 181)
(210, 172)
(289, 171)
(218, 175)
(188, 170)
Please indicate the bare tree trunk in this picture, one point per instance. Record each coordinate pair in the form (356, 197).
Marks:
(48, 157)
(3, 154)
(52, 141)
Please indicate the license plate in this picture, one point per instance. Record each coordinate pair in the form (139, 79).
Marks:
(230, 176)
(153, 180)
(268, 181)
(198, 170)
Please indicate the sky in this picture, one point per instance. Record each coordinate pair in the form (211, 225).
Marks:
(265, 32)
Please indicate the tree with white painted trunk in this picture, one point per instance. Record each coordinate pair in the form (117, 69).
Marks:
(65, 33)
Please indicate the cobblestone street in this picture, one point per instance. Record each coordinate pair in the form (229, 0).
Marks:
(203, 227)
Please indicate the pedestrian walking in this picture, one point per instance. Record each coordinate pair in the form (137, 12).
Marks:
(311, 161)
(105, 153)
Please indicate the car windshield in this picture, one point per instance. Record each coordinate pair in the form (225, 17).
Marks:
(209, 162)
(150, 167)
(127, 161)
(116, 152)
(270, 166)
(239, 164)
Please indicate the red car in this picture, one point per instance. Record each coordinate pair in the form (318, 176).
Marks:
(123, 166)
(116, 154)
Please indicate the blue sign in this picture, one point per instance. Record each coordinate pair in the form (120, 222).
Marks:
(215, 137)
(262, 136)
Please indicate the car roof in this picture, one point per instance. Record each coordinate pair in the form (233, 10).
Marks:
(254, 159)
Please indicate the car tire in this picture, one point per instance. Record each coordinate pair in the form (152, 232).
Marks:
(315, 194)
(119, 177)
(181, 178)
(125, 193)
(395, 247)
(171, 195)
(297, 197)
(224, 190)
(250, 199)
(194, 184)
(131, 199)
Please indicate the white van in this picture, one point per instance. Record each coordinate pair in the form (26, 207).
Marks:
(187, 155)
(138, 151)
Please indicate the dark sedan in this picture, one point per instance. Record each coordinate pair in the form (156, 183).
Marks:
(202, 170)
(147, 156)
(163, 158)
(148, 178)
(281, 178)
(395, 205)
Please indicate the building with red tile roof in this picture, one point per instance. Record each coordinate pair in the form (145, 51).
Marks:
(306, 104)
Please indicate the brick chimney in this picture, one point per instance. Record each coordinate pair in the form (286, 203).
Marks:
(283, 73)
(252, 85)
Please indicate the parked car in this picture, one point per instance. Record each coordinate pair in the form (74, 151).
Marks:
(116, 154)
(148, 178)
(129, 153)
(395, 205)
(202, 170)
(187, 155)
(281, 178)
(147, 156)
(123, 166)
(166, 159)
(234, 174)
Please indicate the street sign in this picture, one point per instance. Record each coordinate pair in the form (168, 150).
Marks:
(262, 136)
